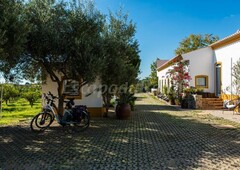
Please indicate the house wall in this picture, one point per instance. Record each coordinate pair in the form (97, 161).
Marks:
(201, 63)
(94, 102)
(224, 55)
(163, 79)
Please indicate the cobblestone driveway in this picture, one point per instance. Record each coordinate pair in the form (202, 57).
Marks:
(152, 139)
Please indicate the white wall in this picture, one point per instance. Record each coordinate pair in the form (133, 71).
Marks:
(94, 100)
(201, 63)
(162, 75)
(224, 55)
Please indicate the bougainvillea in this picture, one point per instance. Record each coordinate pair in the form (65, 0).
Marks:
(180, 77)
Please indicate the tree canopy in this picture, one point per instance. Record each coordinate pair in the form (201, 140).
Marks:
(13, 31)
(153, 76)
(67, 40)
(194, 42)
(121, 60)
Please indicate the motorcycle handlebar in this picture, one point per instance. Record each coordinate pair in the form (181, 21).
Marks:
(49, 94)
(53, 97)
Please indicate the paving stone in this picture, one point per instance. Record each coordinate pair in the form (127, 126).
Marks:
(151, 139)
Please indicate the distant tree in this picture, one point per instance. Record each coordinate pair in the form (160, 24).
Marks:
(139, 86)
(153, 76)
(31, 97)
(9, 92)
(194, 42)
(145, 84)
(30, 92)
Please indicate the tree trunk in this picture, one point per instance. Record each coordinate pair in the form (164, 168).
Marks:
(106, 99)
(60, 99)
(106, 105)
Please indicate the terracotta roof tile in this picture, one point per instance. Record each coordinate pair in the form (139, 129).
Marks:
(161, 62)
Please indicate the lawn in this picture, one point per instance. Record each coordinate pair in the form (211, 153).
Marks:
(18, 110)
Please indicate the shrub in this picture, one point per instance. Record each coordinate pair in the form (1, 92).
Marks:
(193, 90)
(165, 90)
(172, 95)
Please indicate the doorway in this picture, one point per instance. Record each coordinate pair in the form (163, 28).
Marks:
(218, 79)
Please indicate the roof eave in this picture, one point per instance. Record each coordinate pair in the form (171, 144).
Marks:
(170, 62)
(228, 40)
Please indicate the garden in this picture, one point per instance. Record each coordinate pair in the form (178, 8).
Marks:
(20, 102)
(70, 40)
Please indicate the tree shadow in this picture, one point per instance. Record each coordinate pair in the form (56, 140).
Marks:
(148, 140)
(157, 107)
(140, 98)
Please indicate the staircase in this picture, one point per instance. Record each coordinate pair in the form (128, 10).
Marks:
(212, 104)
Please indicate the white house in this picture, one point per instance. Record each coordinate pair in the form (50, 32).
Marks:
(87, 95)
(209, 67)
(162, 75)
(200, 68)
(226, 52)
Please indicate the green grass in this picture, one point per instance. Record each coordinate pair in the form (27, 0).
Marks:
(17, 111)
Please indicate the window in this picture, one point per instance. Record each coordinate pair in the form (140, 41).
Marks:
(201, 81)
(71, 88)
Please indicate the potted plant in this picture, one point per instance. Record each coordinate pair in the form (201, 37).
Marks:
(184, 103)
(125, 103)
(178, 101)
(172, 95)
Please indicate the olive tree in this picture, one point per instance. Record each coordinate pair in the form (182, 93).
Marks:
(9, 92)
(63, 41)
(121, 59)
(13, 31)
(67, 40)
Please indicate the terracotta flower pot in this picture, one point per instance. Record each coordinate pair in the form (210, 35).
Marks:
(123, 111)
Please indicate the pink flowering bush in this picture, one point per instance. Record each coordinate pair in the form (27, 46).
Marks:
(180, 77)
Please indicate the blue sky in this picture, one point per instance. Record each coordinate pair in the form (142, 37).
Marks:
(162, 24)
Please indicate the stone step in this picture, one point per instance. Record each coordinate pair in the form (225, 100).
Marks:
(212, 99)
(212, 103)
(218, 107)
(216, 103)
(210, 108)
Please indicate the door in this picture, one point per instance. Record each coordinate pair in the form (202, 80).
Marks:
(218, 76)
